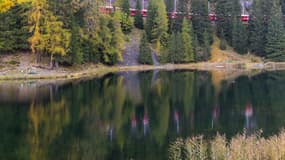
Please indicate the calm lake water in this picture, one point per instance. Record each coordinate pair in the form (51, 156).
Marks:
(134, 115)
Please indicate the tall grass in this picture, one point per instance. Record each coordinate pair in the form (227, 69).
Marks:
(240, 147)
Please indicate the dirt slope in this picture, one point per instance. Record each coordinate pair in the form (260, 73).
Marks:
(229, 56)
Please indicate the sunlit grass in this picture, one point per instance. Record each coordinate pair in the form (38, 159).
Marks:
(240, 147)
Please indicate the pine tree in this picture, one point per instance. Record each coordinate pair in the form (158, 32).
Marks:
(117, 41)
(111, 40)
(75, 44)
(157, 24)
(152, 13)
(239, 41)
(145, 51)
(226, 12)
(283, 6)
(223, 42)
(14, 29)
(125, 5)
(138, 18)
(180, 54)
(172, 48)
(257, 30)
(275, 46)
(184, 6)
(169, 5)
(187, 41)
(206, 46)
(126, 22)
(176, 50)
(203, 31)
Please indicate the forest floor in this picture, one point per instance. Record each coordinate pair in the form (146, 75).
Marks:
(22, 66)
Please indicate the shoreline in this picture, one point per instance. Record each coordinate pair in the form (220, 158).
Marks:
(93, 71)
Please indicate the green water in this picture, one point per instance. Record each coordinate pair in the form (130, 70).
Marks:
(133, 115)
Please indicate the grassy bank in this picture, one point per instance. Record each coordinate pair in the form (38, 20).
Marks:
(100, 70)
(240, 147)
(22, 67)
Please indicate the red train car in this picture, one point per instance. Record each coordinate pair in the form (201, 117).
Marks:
(172, 15)
(144, 13)
(245, 18)
(133, 12)
(212, 17)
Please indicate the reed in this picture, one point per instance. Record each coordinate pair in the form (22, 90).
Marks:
(240, 147)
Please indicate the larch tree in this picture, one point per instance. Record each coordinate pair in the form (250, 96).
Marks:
(7, 4)
(55, 39)
(48, 34)
(39, 7)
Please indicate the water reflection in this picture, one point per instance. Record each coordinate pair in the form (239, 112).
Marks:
(134, 123)
(132, 85)
(250, 124)
(145, 123)
(110, 131)
(176, 118)
(215, 114)
(136, 115)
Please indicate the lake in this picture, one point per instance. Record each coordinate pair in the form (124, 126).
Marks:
(134, 115)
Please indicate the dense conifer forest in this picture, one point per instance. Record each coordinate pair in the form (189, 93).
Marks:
(80, 31)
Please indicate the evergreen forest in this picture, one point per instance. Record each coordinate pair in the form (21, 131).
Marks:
(81, 31)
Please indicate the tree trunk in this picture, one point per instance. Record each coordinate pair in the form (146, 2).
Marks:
(39, 58)
(51, 61)
(56, 64)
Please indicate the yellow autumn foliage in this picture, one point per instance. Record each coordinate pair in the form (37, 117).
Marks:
(7, 4)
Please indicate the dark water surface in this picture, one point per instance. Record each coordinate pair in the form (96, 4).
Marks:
(134, 115)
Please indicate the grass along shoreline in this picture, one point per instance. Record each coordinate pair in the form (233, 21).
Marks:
(100, 70)
(225, 60)
(240, 147)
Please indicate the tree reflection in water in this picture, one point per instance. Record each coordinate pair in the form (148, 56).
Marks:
(135, 116)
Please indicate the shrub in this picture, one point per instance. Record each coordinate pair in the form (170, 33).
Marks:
(242, 147)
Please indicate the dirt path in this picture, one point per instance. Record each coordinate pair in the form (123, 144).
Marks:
(131, 53)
